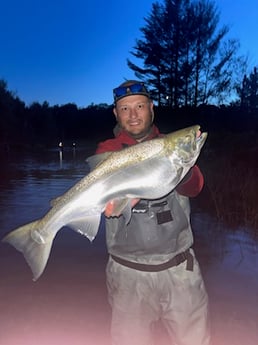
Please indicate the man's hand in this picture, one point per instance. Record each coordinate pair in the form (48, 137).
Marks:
(111, 207)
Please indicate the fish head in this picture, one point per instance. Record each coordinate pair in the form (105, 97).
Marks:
(184, 146)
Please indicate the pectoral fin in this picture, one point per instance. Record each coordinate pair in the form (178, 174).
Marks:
(87, 226)
(121, 206)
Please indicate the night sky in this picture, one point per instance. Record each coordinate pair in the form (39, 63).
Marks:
(75, 51)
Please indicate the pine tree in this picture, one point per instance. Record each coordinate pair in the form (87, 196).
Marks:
(186, 59)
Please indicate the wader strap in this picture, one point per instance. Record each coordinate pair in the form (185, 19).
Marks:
(175, 261)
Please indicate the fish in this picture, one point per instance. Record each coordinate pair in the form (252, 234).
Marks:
(147, 170)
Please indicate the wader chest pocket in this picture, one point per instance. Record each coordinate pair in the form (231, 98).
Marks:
(164, 217)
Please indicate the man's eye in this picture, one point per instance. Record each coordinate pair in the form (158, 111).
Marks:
(140, 106)
(124, 109)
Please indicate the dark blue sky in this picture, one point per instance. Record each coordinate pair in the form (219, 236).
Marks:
(63, 51)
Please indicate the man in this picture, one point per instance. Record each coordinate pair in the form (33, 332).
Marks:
(152, 273)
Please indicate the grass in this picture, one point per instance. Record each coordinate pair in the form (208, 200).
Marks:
(230, 167)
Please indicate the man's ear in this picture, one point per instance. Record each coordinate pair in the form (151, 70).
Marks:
(115, 112)
(152, 111)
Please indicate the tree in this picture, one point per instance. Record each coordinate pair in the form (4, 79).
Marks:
(249, 91)
(12, 114)
(151, 53)
(186, 58)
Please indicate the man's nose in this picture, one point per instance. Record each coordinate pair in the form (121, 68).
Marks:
(133, 113)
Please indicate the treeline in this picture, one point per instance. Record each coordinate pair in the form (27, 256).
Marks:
(41, 124)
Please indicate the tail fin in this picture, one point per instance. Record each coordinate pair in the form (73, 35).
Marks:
(36, 251)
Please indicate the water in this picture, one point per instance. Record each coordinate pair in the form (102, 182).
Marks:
(29, 182)
(68, 302)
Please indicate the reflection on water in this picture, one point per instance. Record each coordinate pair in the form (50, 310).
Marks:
(29, 182)
(216, 244)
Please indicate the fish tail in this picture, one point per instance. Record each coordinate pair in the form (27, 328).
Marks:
(34, 247)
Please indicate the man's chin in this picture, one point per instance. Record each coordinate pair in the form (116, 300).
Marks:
(137, 134)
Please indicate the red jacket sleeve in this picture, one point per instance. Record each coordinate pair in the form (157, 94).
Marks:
(192, 184)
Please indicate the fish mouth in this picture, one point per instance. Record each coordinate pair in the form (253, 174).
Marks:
(200, 137)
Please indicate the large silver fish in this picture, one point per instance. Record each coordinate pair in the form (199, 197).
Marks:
(148, 170)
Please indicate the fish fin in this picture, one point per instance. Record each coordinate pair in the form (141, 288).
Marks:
(32, 245)
(118, 206)
(94, 160)
(121, 206)
(87, 226)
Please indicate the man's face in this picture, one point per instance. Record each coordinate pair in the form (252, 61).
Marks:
(134, 114)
